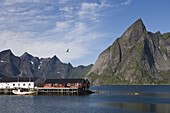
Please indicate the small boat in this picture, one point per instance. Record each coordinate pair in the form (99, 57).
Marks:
(136, 93)
(25, 92)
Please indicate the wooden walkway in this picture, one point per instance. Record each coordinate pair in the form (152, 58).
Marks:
(59, 91)
(52, 91)
(6, 91)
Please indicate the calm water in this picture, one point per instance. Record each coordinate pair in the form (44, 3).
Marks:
(113, 99)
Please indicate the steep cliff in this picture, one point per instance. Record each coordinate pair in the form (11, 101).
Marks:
(137, 57)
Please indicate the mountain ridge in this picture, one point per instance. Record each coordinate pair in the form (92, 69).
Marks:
(29, 66)
(137, 57)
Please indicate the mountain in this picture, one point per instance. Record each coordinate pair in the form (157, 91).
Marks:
(30, 66)
(137, 57)
(80, 71)
(9, 64)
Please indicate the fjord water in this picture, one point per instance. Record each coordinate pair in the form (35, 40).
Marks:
(112, 99)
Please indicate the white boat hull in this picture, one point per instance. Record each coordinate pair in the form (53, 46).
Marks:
(18, 92)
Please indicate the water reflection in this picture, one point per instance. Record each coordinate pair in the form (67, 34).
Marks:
(135, 99)
(117, 99)
(142, 107)
(160, 95)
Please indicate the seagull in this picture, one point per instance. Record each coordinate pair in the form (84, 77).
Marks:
(67, 50)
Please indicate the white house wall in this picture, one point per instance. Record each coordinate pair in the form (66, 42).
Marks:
(3, 85)
(17, 85)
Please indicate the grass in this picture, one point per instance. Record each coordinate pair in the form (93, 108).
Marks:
(163, 50)
(80, 73)
(93, 76)
(140, 48)
(120, 65)
(166, 76)
(116, 80)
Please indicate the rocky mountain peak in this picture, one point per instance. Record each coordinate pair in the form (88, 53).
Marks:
(70, 66)
(137, 57)
(26, 56)
(134, 32)
(8, 63)
(8, 51)
(28, 65)
(55, 59)
(6, 54)
(26, 53)
(138, 25)
(158, 33)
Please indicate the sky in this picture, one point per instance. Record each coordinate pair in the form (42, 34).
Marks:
(45, 28)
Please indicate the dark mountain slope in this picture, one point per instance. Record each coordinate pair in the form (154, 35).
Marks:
(27, 65)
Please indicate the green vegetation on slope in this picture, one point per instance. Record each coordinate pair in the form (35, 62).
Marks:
(80, 71)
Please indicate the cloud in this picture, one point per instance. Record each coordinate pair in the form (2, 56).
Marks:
(12, 2)
(90, 11)
(128, 2)
(40, 47)
(62, 26)
(86, 6)
(66, 9)
(79, 29)
(63, 1)
(48, 27)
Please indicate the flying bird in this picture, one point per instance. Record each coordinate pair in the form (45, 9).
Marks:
(67, 50)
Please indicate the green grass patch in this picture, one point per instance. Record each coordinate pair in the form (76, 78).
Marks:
(140, 48)
(93, 76)
(163, 50)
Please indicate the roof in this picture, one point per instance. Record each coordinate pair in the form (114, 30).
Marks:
(64, 81)
(27, 79)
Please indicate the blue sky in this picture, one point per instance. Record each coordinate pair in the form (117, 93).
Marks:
(45, 28)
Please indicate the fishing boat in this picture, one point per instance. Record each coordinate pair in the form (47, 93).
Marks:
(25, 92)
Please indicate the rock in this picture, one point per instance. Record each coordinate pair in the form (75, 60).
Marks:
(28, 65)
(137, 57)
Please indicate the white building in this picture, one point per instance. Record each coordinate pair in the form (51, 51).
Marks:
(20, 82)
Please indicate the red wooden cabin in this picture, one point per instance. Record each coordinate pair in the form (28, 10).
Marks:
(62, 83)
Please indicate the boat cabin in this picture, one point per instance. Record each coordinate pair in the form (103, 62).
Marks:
(63, 83)
(11, 83)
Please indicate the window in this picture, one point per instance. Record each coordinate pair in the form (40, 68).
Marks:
(13, 84)
(29, 84)
(18, 84)
(23, 84)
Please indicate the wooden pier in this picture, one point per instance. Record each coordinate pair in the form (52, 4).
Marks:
(59, 91)
(52, 91)
(47, 87)
(6, 91)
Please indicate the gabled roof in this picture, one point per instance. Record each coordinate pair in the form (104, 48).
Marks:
(61, 81)
(18, 79)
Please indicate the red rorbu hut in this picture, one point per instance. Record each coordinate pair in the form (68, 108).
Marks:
(64, 83)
